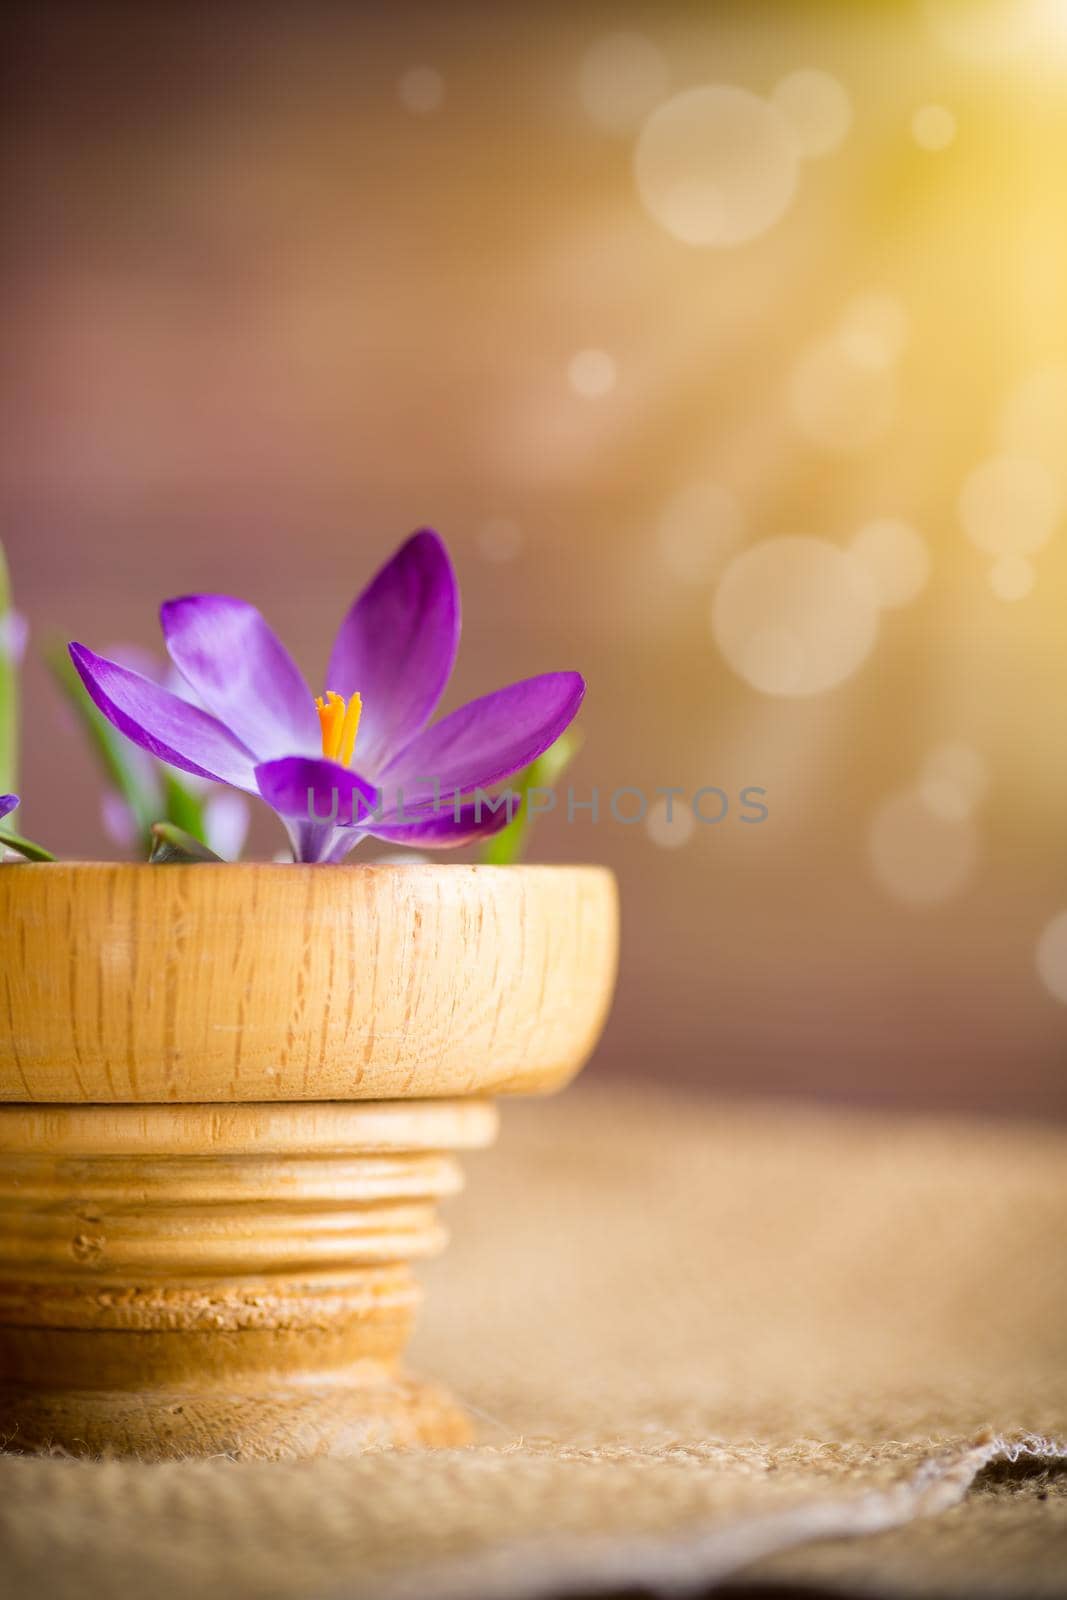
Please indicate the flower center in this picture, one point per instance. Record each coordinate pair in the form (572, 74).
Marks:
(340, 724)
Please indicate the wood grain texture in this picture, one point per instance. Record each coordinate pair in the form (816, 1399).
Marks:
(185, 1280)
(257, 982)
(196, 1258)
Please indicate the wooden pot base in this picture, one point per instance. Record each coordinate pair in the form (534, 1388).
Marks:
(279, 1425)
(197, 1280)
(226, 1107)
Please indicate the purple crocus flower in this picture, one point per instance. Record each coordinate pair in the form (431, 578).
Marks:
(14, 631)
(257, 726)
(225, 814)
(8, 802)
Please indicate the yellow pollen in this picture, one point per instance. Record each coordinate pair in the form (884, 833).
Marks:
(340, 724)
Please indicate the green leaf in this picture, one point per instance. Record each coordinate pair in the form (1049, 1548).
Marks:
(135, 782)
(24, 847)
(172, 846)
(9, 689)
(183, 808)
(511, 843)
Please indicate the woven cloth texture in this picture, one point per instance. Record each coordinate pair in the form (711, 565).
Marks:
(703, 1343)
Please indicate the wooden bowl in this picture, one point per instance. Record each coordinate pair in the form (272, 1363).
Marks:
(228, 1097)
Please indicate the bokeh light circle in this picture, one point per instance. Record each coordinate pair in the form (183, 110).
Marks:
(698, 530)
(1052, 957)
(622, 77)
(673, 833)
(874, 329)
(817, 108)
(895, 558)
(1012, 578)
(592, 373)
(500, 539)
(421, 90)
(1001, 32)
(841, 404)
(716, 166)
(933, 127)
(920, 857)
(794, 616)
(1033, 419)
(953, 781)
(1010, 505)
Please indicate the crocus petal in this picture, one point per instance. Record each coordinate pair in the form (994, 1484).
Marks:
(447, 830)
(240, 671)
(313, 790)
(318, 842)
(119, 822)
(226, 820)
(486, 740)
(8, 802)
(160, 723)
(397, 645)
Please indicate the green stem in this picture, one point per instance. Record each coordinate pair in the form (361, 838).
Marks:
(172, 846)
(512, 842)
(24, 847)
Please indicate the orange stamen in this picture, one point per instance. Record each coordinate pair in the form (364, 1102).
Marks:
(340, 724)
(350, 729)
(331, 719)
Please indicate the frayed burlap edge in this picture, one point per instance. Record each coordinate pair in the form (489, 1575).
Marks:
(692, 1560)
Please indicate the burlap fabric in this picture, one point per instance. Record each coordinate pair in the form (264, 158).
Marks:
(704, 1343)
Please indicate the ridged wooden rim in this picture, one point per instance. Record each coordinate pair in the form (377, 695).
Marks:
(250, 1129)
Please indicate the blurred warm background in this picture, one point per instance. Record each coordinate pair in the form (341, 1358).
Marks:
(616, 296)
